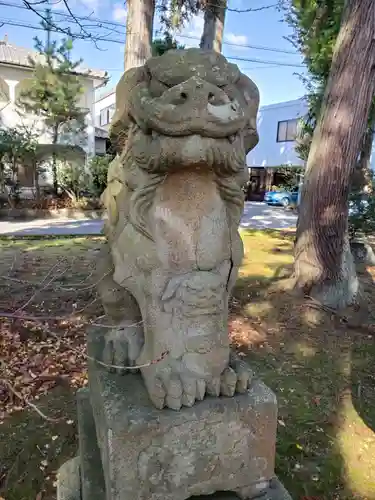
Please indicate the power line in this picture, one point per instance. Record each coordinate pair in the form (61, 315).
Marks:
(122, 25)
(261, 61)
(248, 46)
(242, 11)
(112, 40)
(243, 68)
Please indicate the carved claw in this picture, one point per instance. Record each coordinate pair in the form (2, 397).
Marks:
(243, 372)
(122, 347)
(213, 387)
(228, 382)
(156, 393)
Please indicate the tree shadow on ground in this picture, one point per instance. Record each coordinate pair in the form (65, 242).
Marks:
(321, 370)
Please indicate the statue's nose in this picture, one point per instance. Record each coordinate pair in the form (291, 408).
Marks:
(196, 91)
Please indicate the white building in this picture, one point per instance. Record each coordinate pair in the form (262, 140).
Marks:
(105, 106)
(277, 129)
(16, 73)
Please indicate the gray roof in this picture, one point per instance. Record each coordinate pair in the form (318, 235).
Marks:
(19, 56)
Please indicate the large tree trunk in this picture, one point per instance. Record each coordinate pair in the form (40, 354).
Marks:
(139, 26)
(324, 266)
(214, 17)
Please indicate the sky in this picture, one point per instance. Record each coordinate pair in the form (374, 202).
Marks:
(275, 73)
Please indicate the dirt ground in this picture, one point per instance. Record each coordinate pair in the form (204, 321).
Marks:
(320, 365)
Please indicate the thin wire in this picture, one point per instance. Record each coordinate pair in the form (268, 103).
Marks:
(110, 40)
(243, 68)
(123, 25)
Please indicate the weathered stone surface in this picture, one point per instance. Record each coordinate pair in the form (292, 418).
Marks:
(69, 480)
(183, 126)
(362, 251)
(92, 480)
(220, 444)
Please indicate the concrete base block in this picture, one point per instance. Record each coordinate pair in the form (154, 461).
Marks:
(221, 448)
(69, 481)
(220, 444)
(92, 480)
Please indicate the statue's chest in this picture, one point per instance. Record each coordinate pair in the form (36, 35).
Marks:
(189, 222)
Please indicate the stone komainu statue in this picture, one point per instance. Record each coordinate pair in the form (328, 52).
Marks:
(183, 126)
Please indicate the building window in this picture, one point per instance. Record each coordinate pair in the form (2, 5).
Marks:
(111, 112)
(106, 115)
(287, 130)
(103, 117)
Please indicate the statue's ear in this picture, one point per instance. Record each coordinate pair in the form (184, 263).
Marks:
(250, 94)
(121, 120)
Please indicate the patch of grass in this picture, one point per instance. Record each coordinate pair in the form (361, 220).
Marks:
(321, 371)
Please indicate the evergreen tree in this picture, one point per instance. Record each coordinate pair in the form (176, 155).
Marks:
(162, 45)
(54, 91)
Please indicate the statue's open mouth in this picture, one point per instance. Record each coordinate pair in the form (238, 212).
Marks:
(225, 155)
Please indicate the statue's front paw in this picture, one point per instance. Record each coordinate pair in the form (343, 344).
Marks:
(122, 347)
(173, 390)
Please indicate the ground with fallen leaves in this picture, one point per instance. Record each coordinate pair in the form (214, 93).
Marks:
(320, 365)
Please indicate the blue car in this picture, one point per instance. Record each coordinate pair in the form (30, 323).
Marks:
(282, 198)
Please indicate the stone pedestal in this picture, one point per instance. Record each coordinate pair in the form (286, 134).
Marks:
(218, 444)
(129, 450)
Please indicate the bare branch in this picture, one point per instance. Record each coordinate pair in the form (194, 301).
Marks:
(204, 4)
(40, 289)
(56, 285)
(83, 30)
(257, 9)
(27, 402)
(27, 317)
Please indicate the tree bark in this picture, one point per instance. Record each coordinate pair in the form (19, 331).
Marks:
(139, 27)
(324, 266)
(214, 17)
(55, 138)
(36, 179)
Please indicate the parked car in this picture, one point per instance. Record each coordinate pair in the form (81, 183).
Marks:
(282, 198)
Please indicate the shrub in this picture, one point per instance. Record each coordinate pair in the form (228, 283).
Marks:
(361, 214)
(98, 167)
